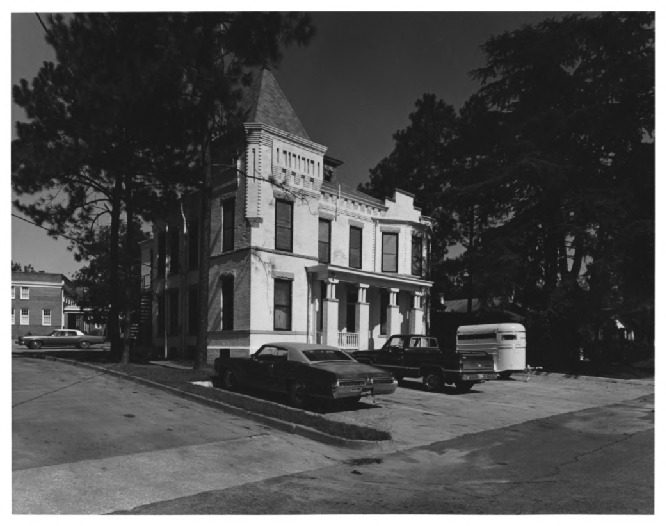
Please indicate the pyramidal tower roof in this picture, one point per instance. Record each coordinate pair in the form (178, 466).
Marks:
(268, 105)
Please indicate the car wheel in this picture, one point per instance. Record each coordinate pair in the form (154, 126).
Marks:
(35, 345)
(464, 385)
(505, 375)
(83, 345)
(297, 394)
(433, 381)
(229, 380)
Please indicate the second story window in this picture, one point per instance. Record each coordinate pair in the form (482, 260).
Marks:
(13, 292)
(284, 211)
(324, 241)
(25, 293)
(228, 208)
(355, 246)
(417, 256)
(389, 252)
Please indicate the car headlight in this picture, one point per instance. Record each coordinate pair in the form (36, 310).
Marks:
(335, 385)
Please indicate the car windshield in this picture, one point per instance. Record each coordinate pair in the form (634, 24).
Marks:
(326, 355)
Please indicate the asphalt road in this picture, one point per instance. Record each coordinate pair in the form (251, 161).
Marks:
(90, 443)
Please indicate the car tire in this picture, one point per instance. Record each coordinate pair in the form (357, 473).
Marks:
(464, 385)
(229, 380)
(297, 394)
(505, 375)
(35, 345)
(433, 381)
(83, 345)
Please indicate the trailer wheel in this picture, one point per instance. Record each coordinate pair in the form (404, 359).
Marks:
(505, 375)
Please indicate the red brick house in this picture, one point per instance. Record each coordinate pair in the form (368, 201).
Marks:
(39, 302)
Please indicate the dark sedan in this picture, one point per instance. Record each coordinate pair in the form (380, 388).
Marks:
(305, 371)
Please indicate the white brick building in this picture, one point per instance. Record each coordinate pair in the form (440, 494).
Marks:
(294, 256)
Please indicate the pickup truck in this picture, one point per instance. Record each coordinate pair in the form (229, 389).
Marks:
(61, 338)
(418, 356)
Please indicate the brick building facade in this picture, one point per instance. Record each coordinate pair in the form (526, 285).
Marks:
(294, 256)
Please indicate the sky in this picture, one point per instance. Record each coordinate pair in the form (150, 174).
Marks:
(353, 87)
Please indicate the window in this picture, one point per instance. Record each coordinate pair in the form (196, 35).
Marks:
(13, 292)
(284, 225)
(228, 215)
(25, 316)
(324, 241)
(174, 321)
(46, 317)
(227, 303)
(389, 252)
(383, 311)
(25, 293)
(193, 245)
(417, 255)
(193, 311)
(282, 305)
(174, 251)
(355, 246)
(13, 316)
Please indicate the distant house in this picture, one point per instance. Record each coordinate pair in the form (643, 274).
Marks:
(43, 302)
(294, 255)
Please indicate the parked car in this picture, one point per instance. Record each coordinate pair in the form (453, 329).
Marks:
(419, 356)
(61, 338)
(305, 371)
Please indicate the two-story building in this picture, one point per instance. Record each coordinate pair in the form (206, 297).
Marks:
(294, 255)
(39, 300)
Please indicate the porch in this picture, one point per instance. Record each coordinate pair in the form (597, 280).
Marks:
(358, 310)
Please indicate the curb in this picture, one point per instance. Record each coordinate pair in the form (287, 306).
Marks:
(289, 427)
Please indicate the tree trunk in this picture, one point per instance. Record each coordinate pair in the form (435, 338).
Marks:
(201, 354)
(114, 275)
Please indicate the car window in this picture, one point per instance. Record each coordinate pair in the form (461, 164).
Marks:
(326, 355)
(271, 354)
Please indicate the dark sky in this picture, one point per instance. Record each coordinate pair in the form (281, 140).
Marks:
(352, 87)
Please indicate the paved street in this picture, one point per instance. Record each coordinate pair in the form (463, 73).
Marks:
(90, 443)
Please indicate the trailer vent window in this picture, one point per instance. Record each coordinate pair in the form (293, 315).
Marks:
(509, 337)
(483, 336)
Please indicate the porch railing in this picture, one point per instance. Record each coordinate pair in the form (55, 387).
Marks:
(348, 340)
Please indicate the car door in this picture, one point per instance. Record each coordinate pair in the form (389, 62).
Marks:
(259, 368)
(55, 339)
(392, 352)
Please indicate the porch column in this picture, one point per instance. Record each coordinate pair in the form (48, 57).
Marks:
(362, 316)
(330, 305)
(416, 314)
(393, 314)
